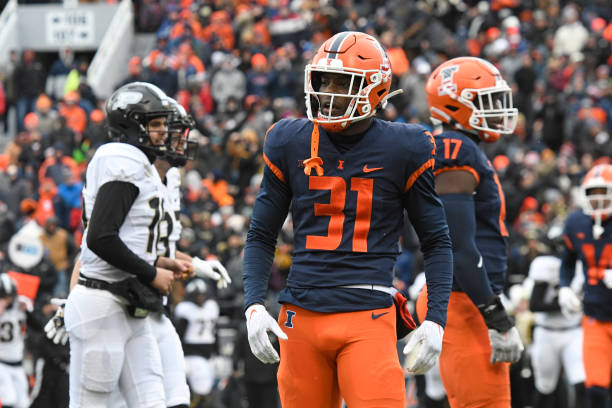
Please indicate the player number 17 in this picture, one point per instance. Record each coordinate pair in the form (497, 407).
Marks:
(335, 211)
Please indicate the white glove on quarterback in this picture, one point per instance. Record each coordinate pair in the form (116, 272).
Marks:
(259, 322)
(568, 301)
(506, 347)
(424, 347)
(213, 270)
(55, 328)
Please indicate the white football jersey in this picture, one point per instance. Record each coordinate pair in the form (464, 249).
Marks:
(170, 227)
(547, 269)
(201, 321)
(12, 333)
(140, 231)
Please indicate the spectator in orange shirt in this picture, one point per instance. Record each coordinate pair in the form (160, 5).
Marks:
(76, 117)
(397, 56)
(185, 52)
(186, 19)
(220, 27)
(218, 189)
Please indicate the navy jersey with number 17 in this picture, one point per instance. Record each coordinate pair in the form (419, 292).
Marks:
(347, 221)
(458, 151)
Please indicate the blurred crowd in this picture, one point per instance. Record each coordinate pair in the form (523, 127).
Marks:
(237, 66)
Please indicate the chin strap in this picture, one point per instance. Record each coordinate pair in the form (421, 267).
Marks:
(314, 162)
(390, 95)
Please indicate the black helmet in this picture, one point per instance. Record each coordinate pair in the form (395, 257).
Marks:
(128, 111)
(195, 289)
(8, 287)
(180, 124)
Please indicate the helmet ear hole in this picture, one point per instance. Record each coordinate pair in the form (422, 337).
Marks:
(451, 108)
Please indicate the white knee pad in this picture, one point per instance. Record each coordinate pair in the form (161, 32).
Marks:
(101, 368)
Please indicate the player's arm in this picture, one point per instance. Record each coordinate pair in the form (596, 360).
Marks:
(182, 256)
(456, 190)
(568, 301)
(269, 213)
(427, 217)
(113, 202)
(74, 277)
(569, 257)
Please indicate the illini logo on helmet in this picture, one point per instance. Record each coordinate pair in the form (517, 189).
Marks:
(448, 86)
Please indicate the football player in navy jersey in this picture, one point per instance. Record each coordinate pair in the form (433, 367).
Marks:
(347, 178)
(469, 103)
(588, 237)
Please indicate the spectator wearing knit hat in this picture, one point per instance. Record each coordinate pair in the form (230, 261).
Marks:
(46, 115)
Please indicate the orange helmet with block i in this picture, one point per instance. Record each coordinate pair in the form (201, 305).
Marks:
(364, 62)
(596, 196)
(469, 94)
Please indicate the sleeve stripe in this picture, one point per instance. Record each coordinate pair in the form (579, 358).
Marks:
(568, 242)
(502, 207)
(469, 169)
(268, 131)
(433, 142)
(429, 164)
(277, 172)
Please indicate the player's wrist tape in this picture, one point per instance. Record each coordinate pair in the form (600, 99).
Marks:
(495, 316)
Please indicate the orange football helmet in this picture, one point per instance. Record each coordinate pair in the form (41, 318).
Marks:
(363, 58)
(597, 204)
(470, 94)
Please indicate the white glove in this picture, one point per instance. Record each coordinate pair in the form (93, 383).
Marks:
(424, 347)
(607, 279)
(213, 270)
(259, 322)
(568, 301)
(505, 346)
(55, 328)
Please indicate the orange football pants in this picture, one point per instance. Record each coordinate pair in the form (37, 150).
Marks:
(470, 380)
(597, 352)
(333, 356)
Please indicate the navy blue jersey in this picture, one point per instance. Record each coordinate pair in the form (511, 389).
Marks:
(347, 221)
(596, 257)
(457, 151)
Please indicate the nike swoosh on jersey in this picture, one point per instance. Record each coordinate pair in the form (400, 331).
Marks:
(369, 170)
(376, 316)
(479, 262)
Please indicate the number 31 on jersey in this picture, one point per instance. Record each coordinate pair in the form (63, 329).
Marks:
(335, 210)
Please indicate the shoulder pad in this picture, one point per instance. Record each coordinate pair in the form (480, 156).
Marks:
(121, 162)
(283, 131)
